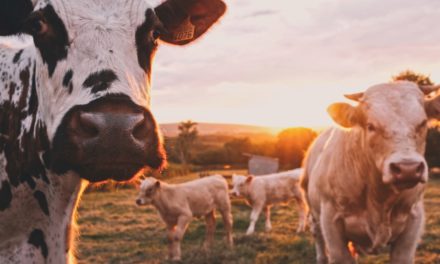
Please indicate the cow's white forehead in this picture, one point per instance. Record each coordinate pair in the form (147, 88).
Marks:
(395, 102)
(90, 8)
(146, 183)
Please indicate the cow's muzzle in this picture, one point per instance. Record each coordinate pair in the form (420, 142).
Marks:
(108, 138)
(407, 174)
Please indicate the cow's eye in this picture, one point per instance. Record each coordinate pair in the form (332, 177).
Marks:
(156, 34)
(371, 127)
(36, 25)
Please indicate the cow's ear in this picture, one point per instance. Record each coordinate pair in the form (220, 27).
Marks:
(249, 178)
(157, 185)
(344, 114)
(12, 15)
(186, 20)
(432, 107)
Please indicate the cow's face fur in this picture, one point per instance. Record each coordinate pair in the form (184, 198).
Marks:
(240, 184)
(393, 121)
(95, 56)
(148, 189)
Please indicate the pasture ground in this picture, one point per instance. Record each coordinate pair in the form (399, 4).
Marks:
(114, 230)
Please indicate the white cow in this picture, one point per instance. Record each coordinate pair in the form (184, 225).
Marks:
(266, 190)
(179, 203)
(364, 182)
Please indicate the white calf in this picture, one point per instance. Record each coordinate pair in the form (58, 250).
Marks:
(179, 203)
(264, 191)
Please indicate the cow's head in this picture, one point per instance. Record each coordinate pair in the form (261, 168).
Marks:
(393, 118)
(148, 189)
(240, 184)
(93, 64)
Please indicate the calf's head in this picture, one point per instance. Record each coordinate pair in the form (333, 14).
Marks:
(148, 189)
(93, 66)
(393, 118)
(240, 184)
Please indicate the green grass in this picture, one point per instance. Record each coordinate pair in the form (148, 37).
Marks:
(114, 230)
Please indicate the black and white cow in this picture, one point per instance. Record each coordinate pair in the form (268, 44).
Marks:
(75, 105)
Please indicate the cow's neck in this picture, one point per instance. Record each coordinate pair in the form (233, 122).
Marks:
(37, 204)
(380, 203)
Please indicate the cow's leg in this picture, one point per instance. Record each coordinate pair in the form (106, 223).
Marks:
(302, 210)
(175, 235)
(210, 229)
(332, 229)
(256, 210)
(404, 249)
(321, 256)
(268, 224)
(225, 211)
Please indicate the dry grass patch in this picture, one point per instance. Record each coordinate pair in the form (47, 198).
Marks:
(114, 230)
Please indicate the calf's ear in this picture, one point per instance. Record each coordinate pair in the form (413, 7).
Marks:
(249, 178)
(432, 107)
(187, 20)
(12, 15)
(344, 114)
(157, 184)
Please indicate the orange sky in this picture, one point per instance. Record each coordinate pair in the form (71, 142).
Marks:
(281, 63)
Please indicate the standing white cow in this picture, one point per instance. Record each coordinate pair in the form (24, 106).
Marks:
(364, 183)
(179, 203)
(266, 190)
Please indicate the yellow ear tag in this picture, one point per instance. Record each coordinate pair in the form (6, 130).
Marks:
(185, 31)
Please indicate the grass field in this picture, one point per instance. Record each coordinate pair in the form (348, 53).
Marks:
(114, 230)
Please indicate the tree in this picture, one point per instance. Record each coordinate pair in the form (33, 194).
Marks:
(409, 75)
(432, 152)
(185, 140)
(235, 148)
(292, 144)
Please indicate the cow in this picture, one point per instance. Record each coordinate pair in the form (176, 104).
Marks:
(177, 204)
(364, 181)
(74, 108)
(263, 191)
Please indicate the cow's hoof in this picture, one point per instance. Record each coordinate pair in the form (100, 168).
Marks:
(248, 233)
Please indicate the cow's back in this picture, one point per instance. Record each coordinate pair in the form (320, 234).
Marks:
(312, 156)
(274, 188)
(205, 194)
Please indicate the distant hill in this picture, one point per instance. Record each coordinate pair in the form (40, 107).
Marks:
(171, 129)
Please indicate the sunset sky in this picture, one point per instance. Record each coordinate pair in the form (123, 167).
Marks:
(281, 63)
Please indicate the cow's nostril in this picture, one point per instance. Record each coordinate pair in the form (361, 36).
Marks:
(140, 130)
(84, 126)
(395, 169)
(420, 168)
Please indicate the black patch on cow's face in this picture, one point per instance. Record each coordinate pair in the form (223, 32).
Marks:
(5, 195)
(100, 81)
(50, 36)
(42, 201)
(37, 239)
(17, 56)
(146, 45)
(67, 80)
